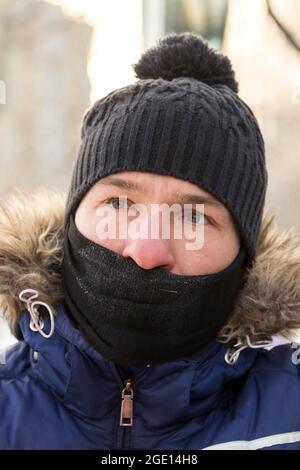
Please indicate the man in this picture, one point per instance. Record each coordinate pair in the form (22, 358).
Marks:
(135, 341)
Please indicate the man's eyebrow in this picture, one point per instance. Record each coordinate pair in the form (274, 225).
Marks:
(181, 198)
(196, 199)
(121, 183)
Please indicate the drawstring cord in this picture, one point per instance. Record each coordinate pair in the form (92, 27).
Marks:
(232, 354)
(37, 323)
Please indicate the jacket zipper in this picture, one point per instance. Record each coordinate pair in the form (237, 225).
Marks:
(126, 415)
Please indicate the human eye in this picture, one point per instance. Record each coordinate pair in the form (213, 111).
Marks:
(195, 217)
(117, 203)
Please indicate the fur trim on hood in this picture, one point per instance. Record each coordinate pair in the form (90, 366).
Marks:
(31, 227)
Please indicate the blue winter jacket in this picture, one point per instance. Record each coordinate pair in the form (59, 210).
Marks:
(59, 393)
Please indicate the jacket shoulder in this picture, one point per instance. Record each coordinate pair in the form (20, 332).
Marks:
(282, 359)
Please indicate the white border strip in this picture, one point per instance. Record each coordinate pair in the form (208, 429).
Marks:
(268, 441)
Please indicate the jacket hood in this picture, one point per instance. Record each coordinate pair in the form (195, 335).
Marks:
(31, 235)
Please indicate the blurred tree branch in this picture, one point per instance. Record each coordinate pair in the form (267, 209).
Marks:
(282, 28)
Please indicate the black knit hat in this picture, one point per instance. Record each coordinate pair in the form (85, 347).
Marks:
(182, 118)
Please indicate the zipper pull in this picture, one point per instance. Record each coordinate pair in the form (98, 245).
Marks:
(126, 417)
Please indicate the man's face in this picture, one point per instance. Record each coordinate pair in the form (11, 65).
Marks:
(117, 195)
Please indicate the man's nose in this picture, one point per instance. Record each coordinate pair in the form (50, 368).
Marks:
(150, 253)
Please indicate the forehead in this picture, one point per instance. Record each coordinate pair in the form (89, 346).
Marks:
(146, 181)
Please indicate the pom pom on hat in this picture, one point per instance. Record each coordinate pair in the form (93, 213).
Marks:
(186, 55)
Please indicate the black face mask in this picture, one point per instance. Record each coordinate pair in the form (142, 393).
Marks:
(134, 316)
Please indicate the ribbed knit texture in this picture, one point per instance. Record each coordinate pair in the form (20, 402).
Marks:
(204, 134)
